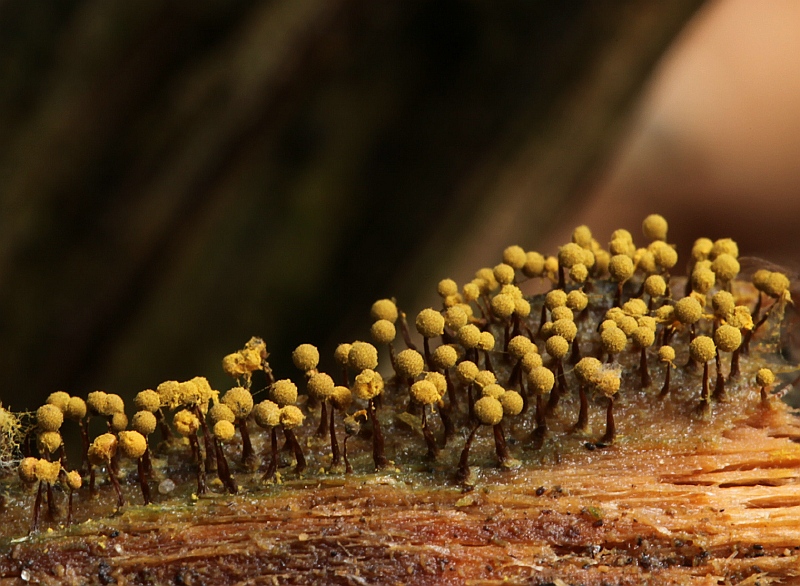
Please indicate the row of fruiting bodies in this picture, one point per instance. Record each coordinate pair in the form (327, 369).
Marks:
(466, 340)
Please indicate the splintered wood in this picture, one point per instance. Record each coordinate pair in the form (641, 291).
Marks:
(717, 511)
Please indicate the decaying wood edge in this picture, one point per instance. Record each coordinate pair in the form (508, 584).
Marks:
(727, 511)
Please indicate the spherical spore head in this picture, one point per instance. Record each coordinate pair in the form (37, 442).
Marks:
(467, 371)
(59, 399)
(512, 403)
(518, 346)
(320, 386)
(103, 449)
(291, 417)
(541, 380)
(49, 418)
(144, 422)
(531, 360)
(283, 392)
(96, 401)
(702, 349)
(47, 471)
(577, 300)
(221, 412)
(654, 227)
(587, 368)
(119, 421)
(643, 336)
(445, 356)
(267, 414)
(384, 309)
(484, 378)
(73, 480)
(147, 400)
(514, 256)
(666, 354)
(76, 409)
(614, 340)
(132, 444)
(655, 286)
(430, 323)
(240, 401)
(27, 470)
(305, 357)
(341, 398)
(489, 411)
(486, 341)
(503, 305)
(342, 354)
(447, 287)
(765, 377)
(424, 392)
(726, 267)
(688, 310)
(620, 267)
(469, 336)
(557, 347)
(727, 338)
(368, 385)
(504, 274)
(224, 430)
(362, 356)
(409, 363)
(48, 442)
(383, 331)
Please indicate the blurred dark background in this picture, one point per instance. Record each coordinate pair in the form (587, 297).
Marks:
(176, 177)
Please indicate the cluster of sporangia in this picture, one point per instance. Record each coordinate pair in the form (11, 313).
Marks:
(453, 377)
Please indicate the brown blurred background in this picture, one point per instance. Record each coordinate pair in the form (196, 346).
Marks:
(176, 177)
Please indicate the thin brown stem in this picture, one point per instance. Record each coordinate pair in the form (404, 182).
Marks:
(463, 465)
(223, 470)
(378, 455)
(611, 430)
(298, 451)
(430, 441)
(142, 481)
(336, 455)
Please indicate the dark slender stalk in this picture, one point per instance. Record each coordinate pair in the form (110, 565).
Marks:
(665, 388)
(117, 488)
(646, 380)
(69, 507)
(337, 458)
(148, 462)
(223, 471)
(541, 424)
(52, 510)
(430, 441)
(611, 430)
(86, 465)
(447, 423)
(719, 387)
(210, 461)
(322, 429)
(37, 508)
(500, 446)
(583, 415)
(166, 432)
(463, 464)
(348, 469)
(201, 471)
(298, 451)
(426, 346)
(377, 439)
(273, 460)
(404, 331)
(734, 364)
(142, 481)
